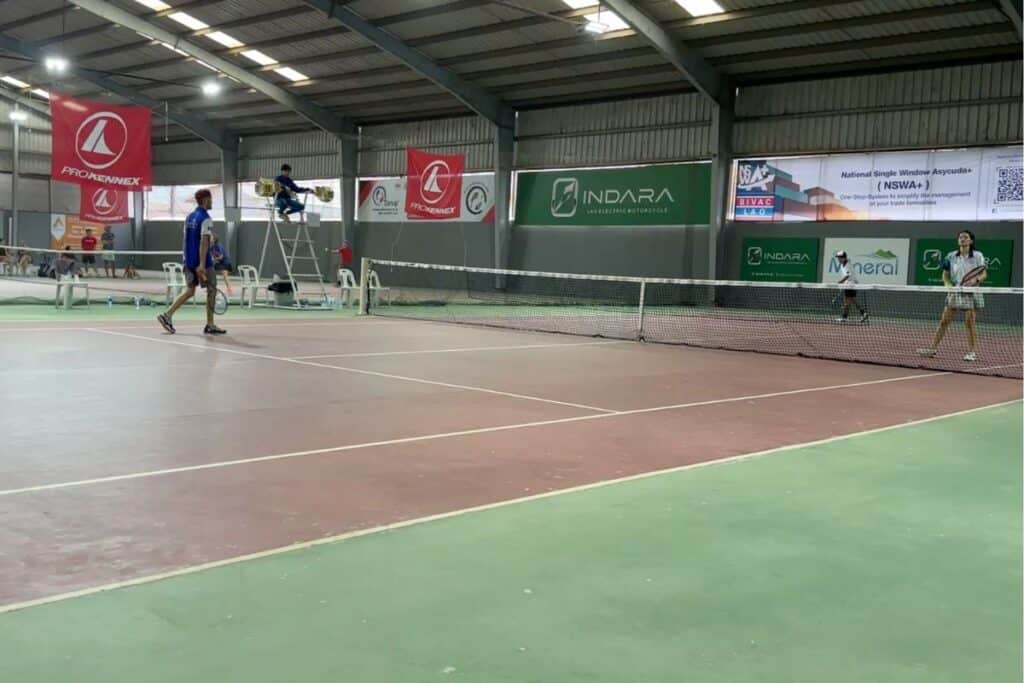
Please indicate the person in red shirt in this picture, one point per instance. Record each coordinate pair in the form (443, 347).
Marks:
(344, 257)
(89, 260)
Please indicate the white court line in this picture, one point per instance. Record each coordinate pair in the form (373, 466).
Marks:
(144, 325)
(447, 435)
(997, 367)
(459, 350)
(357, 371)
(184, 571)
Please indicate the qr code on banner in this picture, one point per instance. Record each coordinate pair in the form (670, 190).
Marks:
(1011, 184)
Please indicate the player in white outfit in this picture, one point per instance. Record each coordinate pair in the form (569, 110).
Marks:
(849, 295)
(964, 267)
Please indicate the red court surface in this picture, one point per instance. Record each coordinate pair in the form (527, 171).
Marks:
(127, 452)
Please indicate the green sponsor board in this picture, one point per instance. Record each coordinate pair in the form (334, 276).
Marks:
(780, 259)
(673, 194)
(930, 253)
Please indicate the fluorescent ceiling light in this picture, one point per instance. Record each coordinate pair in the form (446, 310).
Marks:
(224, 39)
(11, 80)
(259, 57)
(188, 21)
(18, 115)
(700, 8)
(154, 5)
(211, 88)
(41, 92)
(580, 4)
(57, 64)
(610, 20)
(291, 74)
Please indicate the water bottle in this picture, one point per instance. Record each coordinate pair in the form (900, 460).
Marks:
(110, 302)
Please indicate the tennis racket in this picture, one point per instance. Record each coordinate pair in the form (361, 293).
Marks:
(971, 278)
(220, 303)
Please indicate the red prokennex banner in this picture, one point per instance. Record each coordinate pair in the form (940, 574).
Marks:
(434, 186)
(100, 144)
(103, 205)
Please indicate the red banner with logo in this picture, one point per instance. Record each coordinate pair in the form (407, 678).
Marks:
(100, 145)
(103, 205)
(434, 185)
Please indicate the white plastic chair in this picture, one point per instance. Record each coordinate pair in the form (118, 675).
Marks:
(174, 281)
(250, 285)
(349, 286)
(66, 287)
(375, 289)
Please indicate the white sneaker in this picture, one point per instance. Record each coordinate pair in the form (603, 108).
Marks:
(970, 356)
(840, 320)
(927, 353)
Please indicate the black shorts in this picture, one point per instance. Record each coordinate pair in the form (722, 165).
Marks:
(850, 293)
(223, 267)
(89, 259)
(192, 279)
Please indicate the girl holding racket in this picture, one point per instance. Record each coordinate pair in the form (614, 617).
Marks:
(964, 267)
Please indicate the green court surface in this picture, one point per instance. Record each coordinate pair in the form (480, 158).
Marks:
(888, 557)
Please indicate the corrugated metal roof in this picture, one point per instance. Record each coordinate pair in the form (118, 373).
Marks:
(522, 57)
(18, 11)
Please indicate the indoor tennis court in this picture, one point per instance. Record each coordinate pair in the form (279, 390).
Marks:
(511, 341)
(465, 501)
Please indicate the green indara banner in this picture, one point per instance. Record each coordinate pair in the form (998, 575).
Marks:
(929, 254)
(780, 259)
(670, 194)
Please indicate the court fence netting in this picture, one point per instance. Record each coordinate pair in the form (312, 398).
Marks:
(796, 319)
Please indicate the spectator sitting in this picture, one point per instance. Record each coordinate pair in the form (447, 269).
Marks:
(221, 261)
(24, 259)
(66, 264)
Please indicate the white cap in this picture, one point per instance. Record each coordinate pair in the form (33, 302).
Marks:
(840, 254)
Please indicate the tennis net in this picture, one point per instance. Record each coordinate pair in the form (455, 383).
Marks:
(798, 319)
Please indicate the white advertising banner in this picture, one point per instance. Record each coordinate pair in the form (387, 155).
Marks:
(950, 185)
(382, 200)
(880, 261)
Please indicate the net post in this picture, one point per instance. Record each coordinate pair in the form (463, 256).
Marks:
(640, 321)
(364, 285)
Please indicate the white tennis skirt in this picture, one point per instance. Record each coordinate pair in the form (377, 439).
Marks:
(965, 301)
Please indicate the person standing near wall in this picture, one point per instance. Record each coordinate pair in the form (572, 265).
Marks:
(109, 265)
(89, 259)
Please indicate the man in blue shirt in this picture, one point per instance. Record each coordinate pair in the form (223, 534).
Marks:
(285, 201)
(197, 263)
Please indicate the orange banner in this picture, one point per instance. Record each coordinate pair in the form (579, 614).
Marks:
(67, 230)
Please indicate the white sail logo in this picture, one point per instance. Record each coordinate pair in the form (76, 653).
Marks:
(437, 176)
(101, 140)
